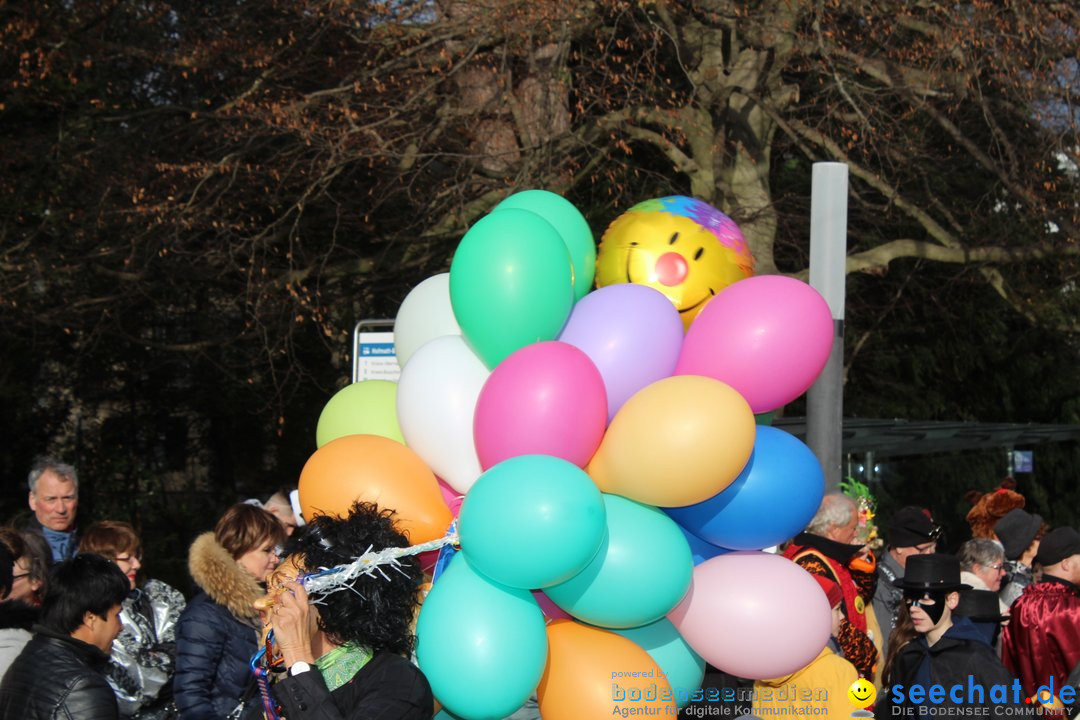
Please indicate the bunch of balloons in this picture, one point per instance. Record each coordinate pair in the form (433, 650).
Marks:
(615, 491)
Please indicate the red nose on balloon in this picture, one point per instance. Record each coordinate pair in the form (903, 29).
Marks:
(671, 269)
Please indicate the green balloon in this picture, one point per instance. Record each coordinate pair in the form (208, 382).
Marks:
(613, 591)
(511, 283)
(368, 407)
(683, 668)
(481, 645)
(570, 224)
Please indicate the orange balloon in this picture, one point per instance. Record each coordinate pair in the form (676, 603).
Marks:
(676, 442)
(379, 470)
(592, 673)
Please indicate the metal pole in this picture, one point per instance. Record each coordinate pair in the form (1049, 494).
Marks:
(828, 260)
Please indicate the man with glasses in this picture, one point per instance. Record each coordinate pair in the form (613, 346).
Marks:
(827, 548)
(911, 531)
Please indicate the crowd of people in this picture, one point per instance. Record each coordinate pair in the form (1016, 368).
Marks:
(82, 635)
(1003, 610)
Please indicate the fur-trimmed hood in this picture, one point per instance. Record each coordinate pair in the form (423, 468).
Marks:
(221, 577)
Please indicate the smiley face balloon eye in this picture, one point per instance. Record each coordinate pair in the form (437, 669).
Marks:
(685, 248)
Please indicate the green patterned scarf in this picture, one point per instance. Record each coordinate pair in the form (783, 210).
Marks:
(340, 665)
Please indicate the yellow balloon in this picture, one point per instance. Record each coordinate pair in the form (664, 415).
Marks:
(683, 247)
(676, 442)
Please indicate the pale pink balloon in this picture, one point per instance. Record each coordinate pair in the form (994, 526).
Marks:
(767, 336)
(754, 615)
(547, 398)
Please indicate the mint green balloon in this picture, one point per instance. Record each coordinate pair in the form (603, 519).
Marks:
(481, 645)
(532, 521)
(368, 407)
(683, 668)
(511, 283)
(570, 224)
(641, 571)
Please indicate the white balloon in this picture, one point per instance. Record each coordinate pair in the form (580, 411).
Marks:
(424, 315)
(436, 400)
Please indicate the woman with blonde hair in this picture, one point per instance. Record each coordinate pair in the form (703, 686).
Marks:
(219, 630)
(141, 663)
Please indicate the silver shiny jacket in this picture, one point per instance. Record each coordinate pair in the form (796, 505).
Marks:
(141, 666)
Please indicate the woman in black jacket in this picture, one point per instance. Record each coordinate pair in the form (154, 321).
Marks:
(347, 657)
(218, 632)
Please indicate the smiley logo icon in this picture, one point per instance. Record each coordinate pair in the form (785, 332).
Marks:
(862, 693)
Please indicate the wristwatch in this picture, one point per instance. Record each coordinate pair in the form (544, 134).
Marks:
(298, 667)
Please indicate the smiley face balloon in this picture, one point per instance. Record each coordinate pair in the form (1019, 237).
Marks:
(685, 248)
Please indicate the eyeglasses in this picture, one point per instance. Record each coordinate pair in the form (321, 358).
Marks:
(995, 568)
(128, 559)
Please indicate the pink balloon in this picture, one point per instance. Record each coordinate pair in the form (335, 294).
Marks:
(545, 399)
(754, 615)
(451, 496)
(549, 608)
(767, 336)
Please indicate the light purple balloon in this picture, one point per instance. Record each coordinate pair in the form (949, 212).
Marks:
(632, 333)
(767, 336)
(754, 615)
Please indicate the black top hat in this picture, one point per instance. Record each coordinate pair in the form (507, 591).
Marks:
(910, 526)
(980, 606)
(1016, 530)
(934, 572)
(1058, 544)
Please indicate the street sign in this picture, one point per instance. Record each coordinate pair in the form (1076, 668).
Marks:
(374, 357)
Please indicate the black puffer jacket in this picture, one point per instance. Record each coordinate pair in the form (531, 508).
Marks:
(57, 677)
(216, 636)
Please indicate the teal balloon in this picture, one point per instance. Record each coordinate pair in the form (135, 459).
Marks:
(641, 571)
(368, 407)
(481, 645)
(683, 667)
(570, 224)
(511, 283)
(532, 521)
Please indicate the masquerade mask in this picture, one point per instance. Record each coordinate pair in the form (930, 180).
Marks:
(931, 603)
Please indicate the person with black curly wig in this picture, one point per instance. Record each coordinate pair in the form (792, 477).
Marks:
(347, 655)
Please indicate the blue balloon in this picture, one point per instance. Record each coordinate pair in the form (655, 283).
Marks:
(770, 501)
(481, 645)
(641, 571)
(683, 668)
(700, 551)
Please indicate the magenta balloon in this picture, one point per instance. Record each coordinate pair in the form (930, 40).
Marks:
(754, 615)
(450, 496)
(544, 399)
(767, 336)
(631, 332)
